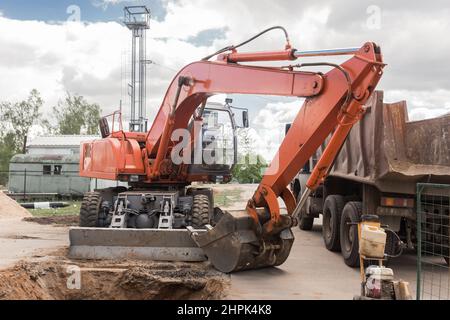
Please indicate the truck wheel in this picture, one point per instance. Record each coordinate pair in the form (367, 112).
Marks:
(349, 233)
(305, 223)
(332, 211)
(90, 209)
(200, 211)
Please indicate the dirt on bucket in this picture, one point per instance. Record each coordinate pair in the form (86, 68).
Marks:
(63, 279)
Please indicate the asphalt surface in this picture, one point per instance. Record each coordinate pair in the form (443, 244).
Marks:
(312, 272)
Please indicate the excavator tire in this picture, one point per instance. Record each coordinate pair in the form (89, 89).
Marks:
(200, 211)
(89, 211)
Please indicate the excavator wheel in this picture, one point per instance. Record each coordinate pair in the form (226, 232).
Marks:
(234, 244)
(90, 210)
(200, 211)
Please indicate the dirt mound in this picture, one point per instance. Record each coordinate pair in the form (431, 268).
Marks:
(67, 221)
(10, 208)
(117, 281)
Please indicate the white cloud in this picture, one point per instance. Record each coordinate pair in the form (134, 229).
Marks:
(56, 58)
(270, 123)
(88, 58)
(422, 104)
(105, 3)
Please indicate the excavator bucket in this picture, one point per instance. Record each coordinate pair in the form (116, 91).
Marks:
(140, 244)
(234, 244)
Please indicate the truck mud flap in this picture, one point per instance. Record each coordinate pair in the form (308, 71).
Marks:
(139, 244)
(234, 244)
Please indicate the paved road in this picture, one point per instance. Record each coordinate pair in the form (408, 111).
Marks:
(20, 240)
(311, 272)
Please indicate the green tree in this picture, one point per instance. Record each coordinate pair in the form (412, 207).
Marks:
(7, 151)
(74, 115)
(250, 166)
(16, 120)
(249, 170)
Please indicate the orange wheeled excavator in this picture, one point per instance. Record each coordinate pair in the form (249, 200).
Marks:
(159, 216)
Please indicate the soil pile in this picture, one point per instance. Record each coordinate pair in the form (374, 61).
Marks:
(9, 208)
(104, 280)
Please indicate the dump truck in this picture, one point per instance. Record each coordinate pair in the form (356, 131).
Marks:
(160, 212)
(376, 172)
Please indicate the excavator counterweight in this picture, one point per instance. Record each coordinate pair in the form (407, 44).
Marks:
(159, 196)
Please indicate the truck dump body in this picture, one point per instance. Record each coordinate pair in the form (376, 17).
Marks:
(386, 150)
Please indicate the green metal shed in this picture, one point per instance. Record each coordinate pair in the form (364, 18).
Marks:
(31, 173)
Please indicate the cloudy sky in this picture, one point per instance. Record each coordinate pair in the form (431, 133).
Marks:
(82, 47)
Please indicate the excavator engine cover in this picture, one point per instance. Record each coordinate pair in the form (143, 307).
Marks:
(235, 244)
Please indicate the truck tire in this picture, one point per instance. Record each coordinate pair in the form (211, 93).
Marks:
(349, 233)
(90, 209)
(332, 211)
(200, 211)
(305, 223)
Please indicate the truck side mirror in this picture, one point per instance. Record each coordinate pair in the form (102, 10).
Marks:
(245, 119)
(104, 127)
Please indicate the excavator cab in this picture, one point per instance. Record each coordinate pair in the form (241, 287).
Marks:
(217, 148)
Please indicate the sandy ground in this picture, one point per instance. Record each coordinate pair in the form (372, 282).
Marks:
(20, 239)
(104, 280)
(311, 271)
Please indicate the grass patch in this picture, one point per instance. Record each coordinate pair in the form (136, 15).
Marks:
(227, 197)
(72, 210)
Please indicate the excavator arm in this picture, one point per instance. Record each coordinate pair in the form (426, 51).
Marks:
(260, 235)
(239, 243)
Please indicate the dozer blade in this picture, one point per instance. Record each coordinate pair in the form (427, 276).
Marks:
(140, 244)
(233, 244)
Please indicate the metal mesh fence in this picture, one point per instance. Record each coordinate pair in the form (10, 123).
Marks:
(433, 206)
